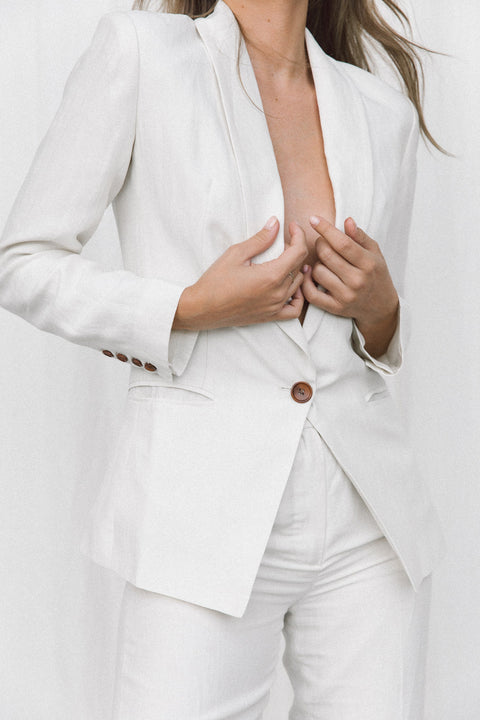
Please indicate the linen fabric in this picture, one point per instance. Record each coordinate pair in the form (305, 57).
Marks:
(355, 631)
(155, 120)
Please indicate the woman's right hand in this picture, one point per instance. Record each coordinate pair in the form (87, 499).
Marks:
(234, 291)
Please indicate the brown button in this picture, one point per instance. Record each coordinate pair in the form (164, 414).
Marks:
(122, 357)
(301, 392)
(149, 366)
(137, 362)
(107, 352)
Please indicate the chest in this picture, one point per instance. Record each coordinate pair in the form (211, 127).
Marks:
(295, 130)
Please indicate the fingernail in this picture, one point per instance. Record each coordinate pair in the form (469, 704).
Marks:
(354, 223)
(306, 268)
(270, 222)
(314, 219)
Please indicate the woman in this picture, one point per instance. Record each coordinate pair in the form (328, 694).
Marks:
(262, 481)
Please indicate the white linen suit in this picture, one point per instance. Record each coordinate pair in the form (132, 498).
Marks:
(154, 120)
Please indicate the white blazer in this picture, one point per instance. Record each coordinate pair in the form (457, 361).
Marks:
(154, 120)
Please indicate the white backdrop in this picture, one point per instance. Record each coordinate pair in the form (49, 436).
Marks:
(61, 403)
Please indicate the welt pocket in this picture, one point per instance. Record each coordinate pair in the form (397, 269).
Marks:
(175, 394)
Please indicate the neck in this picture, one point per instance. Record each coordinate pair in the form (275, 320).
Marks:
(274, 32)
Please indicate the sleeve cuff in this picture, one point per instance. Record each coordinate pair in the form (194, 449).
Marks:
(180, 349)
(391, 361)
(169, 349)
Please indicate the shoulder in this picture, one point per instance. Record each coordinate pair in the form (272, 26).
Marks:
(375, 89)
(166, 39)
(145, 18)
(121, 27)
(168, 28)
(122, 37)
(383, 102)
(110, 53)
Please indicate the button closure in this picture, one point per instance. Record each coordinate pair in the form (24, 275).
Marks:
(149, 366)
(108, 353)
(301, 392)
(122, 357)
(137, 362)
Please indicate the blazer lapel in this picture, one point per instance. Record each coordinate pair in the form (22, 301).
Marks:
(345, 133)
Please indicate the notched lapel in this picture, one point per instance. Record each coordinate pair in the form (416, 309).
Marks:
(347, 148)
(345, 133)
(247, 126)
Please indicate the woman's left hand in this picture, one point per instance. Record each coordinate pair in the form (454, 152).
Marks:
(356, 279)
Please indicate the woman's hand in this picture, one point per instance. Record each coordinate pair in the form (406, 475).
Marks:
(234, 291)
(357, 282)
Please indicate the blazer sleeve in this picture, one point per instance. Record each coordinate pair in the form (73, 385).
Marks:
(395, 250)
(78, 169)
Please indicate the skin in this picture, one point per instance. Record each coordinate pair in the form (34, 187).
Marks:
(348, 265)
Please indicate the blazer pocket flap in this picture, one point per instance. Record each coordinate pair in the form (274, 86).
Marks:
(183, 394)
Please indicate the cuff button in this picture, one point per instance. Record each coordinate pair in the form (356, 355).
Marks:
(137, 362)
(122, 357)
(107, 352)
(149, 366)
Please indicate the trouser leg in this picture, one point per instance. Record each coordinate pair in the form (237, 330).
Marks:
(355, 631)
(180, 661)
(355, 641)
(355, 650)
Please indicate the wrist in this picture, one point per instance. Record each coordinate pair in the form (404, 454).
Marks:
(378, 333)
(188, 310)
(387, 319)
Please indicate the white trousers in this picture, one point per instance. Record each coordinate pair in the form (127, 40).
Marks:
(355, 631)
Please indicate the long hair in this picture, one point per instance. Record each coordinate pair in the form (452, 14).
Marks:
(343, 29)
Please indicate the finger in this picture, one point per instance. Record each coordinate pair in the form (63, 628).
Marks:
(359, 235)
(292, 276)
(293, 228)
(344, 245)
(293, 308)
(292, 286)
(297, 250)
(293, 256)
(335, 262)
(317, 297)
(258, 243)
(328, 280)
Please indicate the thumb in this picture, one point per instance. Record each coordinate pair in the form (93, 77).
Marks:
(261, 240)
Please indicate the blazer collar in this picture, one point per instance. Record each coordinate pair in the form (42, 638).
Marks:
(345, 133)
